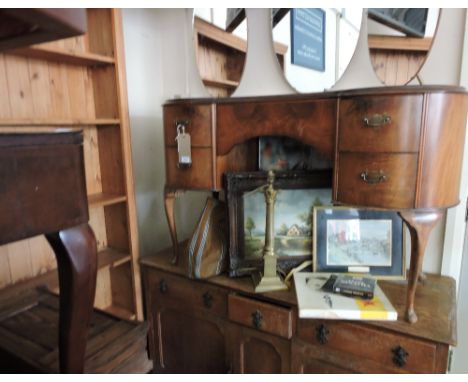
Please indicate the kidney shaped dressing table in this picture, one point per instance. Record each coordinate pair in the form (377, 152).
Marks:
(398, 148)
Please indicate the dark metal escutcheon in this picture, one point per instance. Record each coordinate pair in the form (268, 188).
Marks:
(163, 286)
(399, 356)
(207, 300)
(257, 319)
(322, 334)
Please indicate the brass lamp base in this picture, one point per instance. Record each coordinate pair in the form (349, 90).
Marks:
(268, 284)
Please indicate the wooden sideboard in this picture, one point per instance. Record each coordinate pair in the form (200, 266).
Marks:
(396, 148)
(220, 325)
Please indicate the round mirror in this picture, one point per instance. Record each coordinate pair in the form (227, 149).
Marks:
(314, 45)
(399, 41)
(220, 37)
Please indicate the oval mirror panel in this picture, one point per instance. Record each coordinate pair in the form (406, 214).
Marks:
(220, 37)
(317, 44)
(399, 41)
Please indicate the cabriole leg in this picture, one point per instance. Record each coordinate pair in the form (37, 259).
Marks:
(420, 224)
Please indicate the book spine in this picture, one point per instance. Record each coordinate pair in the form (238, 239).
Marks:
(354, 293)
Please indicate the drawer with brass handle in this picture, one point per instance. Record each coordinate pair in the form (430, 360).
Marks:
(389, 349)
(380, 123)
(377, 180)
(262, 316)
(180, 293)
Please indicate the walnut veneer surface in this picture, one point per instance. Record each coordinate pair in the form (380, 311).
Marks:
(397, 148)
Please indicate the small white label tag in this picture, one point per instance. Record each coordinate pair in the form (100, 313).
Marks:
(358, 269)
(184, 149)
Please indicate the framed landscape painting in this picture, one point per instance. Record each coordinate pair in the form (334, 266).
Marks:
(359, 241)
(297, 195)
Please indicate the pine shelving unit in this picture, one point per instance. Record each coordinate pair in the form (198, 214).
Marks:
(79, 83)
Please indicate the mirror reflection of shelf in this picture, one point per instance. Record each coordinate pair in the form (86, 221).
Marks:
(221, 56)
(399, 42)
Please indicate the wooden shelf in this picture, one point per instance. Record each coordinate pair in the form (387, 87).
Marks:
(58, 122)
(120, 312)
(103, 199)
(399, 43)
(220, 83)
(52, 54)
(111, 257)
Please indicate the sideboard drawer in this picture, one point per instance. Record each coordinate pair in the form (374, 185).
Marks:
(260, 315)
(380, 123)
(391, 350)
(197, 118)
(377, 180)
(187, 295)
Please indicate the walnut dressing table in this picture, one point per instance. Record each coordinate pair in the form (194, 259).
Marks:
(398, 148)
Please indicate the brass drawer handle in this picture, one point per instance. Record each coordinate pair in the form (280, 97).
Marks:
(377, 120)
(373, 177)
(322, 334)
(399, 356)
(207, 300)
(257, 318)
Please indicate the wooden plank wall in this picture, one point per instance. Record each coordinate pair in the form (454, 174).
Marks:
(396, 67)
(31, 90)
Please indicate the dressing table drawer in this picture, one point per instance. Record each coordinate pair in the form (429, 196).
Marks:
(199, 176)
(197, 119)
(262, 316)
(377, 180)
(380, 123)
(389, 349)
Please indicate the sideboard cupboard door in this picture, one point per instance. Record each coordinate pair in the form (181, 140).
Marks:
(188, 343)
(256, 352)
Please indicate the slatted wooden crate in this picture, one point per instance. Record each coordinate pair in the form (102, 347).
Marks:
(29, 337)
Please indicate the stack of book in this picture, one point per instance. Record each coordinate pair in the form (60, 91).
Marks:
(321, 295)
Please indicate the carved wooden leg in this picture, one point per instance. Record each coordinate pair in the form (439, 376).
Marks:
(169, 200)
(76, 253)
(420, 224)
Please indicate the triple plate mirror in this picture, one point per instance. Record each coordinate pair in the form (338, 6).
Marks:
(314, 45)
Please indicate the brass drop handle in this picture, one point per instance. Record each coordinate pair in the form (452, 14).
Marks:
(257, 318)
(163, 286)
(322, 334)
(207, 300)
(373, 177)
(399, 356)
(377, 120)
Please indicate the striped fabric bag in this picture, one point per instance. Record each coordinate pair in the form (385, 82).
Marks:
(207, 249)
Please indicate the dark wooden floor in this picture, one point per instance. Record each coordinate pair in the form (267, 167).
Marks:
(29, 338)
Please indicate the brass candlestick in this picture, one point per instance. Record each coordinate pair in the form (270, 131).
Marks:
(270, 281)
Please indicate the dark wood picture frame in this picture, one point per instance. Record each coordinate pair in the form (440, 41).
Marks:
(395, 270)
(237, 184)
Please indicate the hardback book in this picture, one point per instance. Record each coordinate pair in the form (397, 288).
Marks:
(348, 285)
(314, 302)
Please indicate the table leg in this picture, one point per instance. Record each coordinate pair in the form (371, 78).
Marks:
(420, 224)
(76, 253)
(170, 196)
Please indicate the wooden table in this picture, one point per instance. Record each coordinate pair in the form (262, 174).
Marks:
(43, 191)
